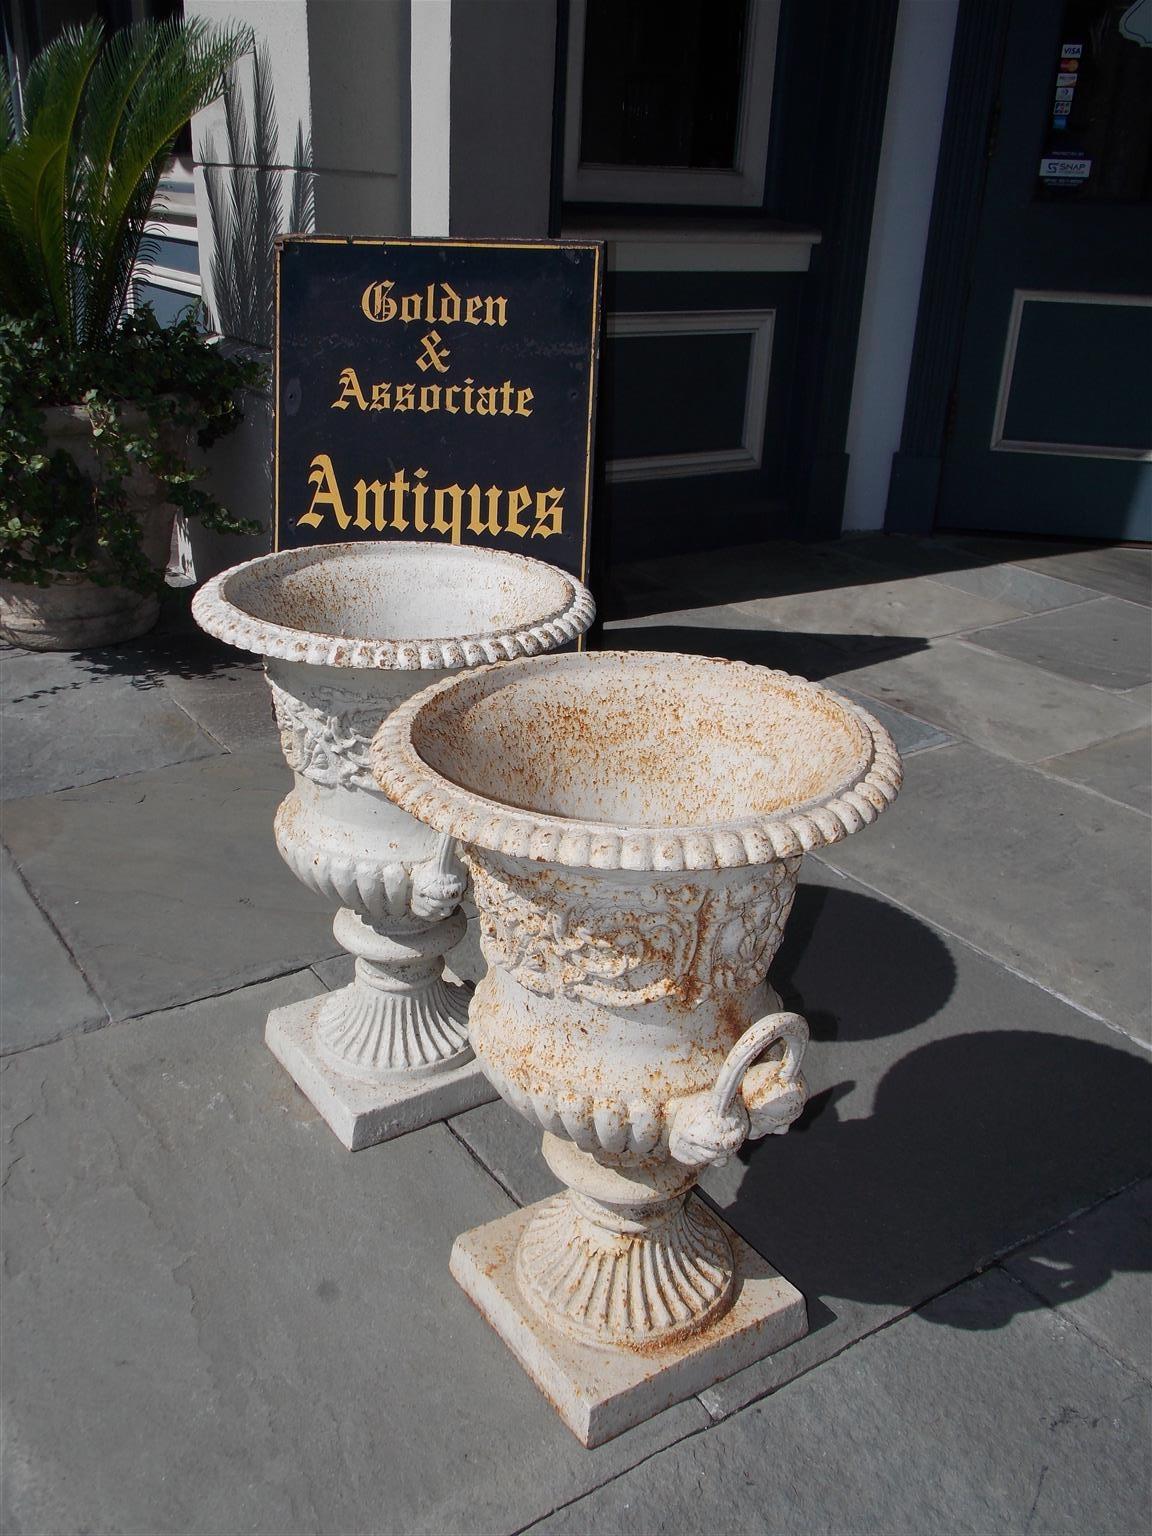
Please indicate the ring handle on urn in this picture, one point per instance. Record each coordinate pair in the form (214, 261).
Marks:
(746, 1100)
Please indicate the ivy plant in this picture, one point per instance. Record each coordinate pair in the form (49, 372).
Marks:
(146, 393)
(83, 147)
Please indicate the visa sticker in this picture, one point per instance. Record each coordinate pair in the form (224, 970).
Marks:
(1072, 51)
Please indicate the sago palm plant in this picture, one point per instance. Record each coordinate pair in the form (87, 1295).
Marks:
(98, 411)
(81, 158)
(246, 205)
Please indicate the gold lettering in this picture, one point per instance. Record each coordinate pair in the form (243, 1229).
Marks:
(449, 525)
(349, 390)
(549, 513)
(419, 491)
(476, 524)
(326, 493)
(433, 354)
(473, 399)
(518, 501)
(438, 304)
(398, 486)
(375, 301)
(449, 305)
(376, 490)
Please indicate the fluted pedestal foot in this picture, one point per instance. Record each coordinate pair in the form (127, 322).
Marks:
(362, 1113)
(600, 1391)
(389, 1052)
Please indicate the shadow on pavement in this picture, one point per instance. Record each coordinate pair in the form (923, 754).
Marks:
(176, 648)
(810, 655)
(779, 568)
(973, 1143)
(892, 972)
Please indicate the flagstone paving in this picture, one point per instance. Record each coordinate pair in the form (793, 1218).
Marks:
(217, 1320)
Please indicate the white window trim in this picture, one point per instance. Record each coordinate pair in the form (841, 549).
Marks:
(742, 186)
(172, 279)
(749, 452)
(684, 250)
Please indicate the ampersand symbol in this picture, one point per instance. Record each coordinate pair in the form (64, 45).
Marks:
(433, 354)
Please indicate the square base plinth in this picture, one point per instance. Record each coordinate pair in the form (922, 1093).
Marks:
(599, 1393)
(363, 1114)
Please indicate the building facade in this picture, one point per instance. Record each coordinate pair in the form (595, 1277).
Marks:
(869, 265)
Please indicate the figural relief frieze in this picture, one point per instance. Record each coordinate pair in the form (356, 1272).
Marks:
(636, 943)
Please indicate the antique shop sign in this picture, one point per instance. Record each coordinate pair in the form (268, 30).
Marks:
(439, 390)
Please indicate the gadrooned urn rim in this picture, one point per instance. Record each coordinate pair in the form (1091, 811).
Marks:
(445, 806)
(225, 620)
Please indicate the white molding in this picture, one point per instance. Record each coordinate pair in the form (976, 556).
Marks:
(1001, 444)
(431, 117)
(685, 250)
(164, 229)
(187, 284)
(748, 453)
(901, 214)
(743, 185)
(171, 278)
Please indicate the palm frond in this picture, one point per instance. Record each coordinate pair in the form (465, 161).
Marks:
(38, 174)
(245, 204)
(184, 69)
(9, 108)
(302, 212)
(78, 180)
(268, 196)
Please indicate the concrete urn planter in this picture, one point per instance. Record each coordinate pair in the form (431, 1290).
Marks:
(73, 613)
(348, 632)
(634, 825)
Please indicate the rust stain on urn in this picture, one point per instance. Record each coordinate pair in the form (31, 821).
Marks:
(347, 633)
(634, 826)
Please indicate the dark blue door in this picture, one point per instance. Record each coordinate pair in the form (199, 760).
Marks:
(1051, 429)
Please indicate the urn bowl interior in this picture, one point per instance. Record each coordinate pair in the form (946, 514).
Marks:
(398, 591)
(642, 739)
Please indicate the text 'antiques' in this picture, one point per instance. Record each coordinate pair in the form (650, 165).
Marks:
(437, 390)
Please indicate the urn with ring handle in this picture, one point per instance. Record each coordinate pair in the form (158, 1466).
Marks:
(347, 633)
(634, 825)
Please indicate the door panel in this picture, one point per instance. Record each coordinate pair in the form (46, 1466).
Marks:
(1052, 419)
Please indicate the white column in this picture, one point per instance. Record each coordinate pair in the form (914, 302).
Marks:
(917, 91)
(431, 93)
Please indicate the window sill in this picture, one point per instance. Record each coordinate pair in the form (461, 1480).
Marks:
(697, 244)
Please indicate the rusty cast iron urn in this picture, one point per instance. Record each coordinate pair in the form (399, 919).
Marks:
(348, 632)
(634, 826)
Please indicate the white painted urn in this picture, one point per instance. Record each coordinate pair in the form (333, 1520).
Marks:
(347, 633)
(634, 826)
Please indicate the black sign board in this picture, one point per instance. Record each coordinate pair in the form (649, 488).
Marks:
(439, 390)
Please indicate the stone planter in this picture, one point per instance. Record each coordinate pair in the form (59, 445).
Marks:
(634, 826)
(348, 632)
(73, 613)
